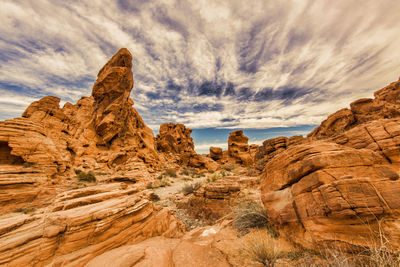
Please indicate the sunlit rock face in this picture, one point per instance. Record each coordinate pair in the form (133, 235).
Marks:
(339, 187)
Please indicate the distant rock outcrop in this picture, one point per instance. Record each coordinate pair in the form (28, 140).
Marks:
(175, 139)
(386, 104)
(239, 148)
(216, 153)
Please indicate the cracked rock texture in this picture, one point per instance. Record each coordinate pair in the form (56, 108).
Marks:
(326, 194)
(339, 186)
(81, 224)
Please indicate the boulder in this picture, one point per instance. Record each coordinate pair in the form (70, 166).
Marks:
(216, 153)
(323, 194)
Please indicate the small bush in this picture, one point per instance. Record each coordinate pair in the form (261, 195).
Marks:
(170, 173)
(252, 172)
(87, 177)
(263, 249)
(190, 188)
(251, 215)
(160, 183)
(28, 164)
(214, 177)
(260, 164)
(154, 197)
(189, 172)
(229, 167)
(77, 171)
(25, 210)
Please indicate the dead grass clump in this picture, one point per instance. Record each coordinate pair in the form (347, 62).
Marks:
(214, 177)
(170, 173)
(229, 167)
(160, 183)
(154, 197)
(262, 248)
(87, 177)
(260, 164)
(25, 210)
(252, 172)
(190, 188)
(251, 214)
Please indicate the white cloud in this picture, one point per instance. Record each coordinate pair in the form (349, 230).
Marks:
(324, 54)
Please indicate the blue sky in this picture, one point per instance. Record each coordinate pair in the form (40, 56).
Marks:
(208, 64)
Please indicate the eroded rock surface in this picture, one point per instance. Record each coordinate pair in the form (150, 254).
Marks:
(322, 193)
(386, 104)
(209, 246)
(239, 148)
(98, 132)
(81, 224)
(175, 141)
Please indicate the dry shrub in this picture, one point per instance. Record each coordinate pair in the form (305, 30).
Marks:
(87, 177)
(262, 248)
(154, 197)
(190, 188)
(252, 172)
(25, 210)
(214, 177)
(260, 164)
(170, 173)
(160, 183)
(251, 214)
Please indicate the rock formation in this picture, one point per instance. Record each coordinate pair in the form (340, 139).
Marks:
(274, 146)
(238, 148)
(175, 139)
(340, 191)
(322, 194)
(386, 104)
(97, 132)
(216, 199)
(216, 153)
(81, 224)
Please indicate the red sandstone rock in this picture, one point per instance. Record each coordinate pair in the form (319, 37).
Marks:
(216, 153)
(386, 104)
(100, 131)
(216, 245)
(82, 224)
(322, 192)
(239, 149)
(176, 139)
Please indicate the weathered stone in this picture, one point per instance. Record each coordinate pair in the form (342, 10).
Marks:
(82, 224)
(322, 192)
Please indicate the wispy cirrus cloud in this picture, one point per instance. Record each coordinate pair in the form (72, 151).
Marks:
(225, 64)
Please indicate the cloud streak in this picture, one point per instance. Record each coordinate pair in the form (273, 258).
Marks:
(226, 64)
